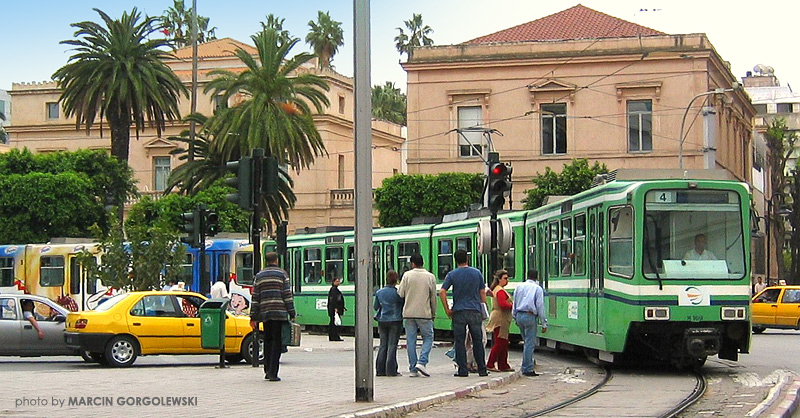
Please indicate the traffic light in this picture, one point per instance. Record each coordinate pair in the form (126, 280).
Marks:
(242, 181)
(499, 184)
(191, 226)
(211, 223)
(269, 178)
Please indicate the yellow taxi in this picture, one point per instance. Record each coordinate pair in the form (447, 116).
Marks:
(134, 324)
(776, 307)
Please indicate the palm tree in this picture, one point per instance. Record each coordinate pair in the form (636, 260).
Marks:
(274, 112)
(178, 24)
(417, 36)
(118, 73)
(276, 23)
(388, 103)
(325, 37)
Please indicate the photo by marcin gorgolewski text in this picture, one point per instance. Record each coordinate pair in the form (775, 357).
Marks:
(73, 401)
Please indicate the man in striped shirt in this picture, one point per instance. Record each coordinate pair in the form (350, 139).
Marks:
(272, 304)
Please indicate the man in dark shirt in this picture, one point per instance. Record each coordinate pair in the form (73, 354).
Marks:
(469, 292)
(272, 304)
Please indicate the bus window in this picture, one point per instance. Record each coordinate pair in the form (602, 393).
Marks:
(508, 260)
(579, 246)
(6, 271)
(351, 264)
(51, 271)
(244, 268)
(312, 266)
(74, 276)
(187, 274)
(445, 257)
(620, 241)
(334, 264)
(404, 252)
(223, 267)
(553, 259)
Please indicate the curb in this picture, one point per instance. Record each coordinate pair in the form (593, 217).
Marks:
(403, 408)
(788, 405)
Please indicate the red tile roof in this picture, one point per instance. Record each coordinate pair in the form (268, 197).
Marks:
(577, 22)
(217, 48)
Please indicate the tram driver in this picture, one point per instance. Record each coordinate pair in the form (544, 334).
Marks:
(699, 252)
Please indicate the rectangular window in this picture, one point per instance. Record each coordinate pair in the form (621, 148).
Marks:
(445, 257)
(6, 271)
(377, 267)
(223, 267)
(640, 125)
(465, 244)
(761, 109)
(554, 128)
(52, 110)
(508, 260)
(244, 268)
(51, 271)
(552, 249)
(74, 276)
(532, 248)
(579, 246)
(404, 252)
(161, 170)
(351, 264)
(566, 247)
(784, 108)
(187, 272)
(470, 144)
(312, 266)
(341, 104)
(620, 241)
(334, 264)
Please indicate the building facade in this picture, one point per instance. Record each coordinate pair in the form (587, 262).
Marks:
(324, 191)
(576, 84)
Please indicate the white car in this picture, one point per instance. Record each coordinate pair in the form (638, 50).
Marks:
(18, 335)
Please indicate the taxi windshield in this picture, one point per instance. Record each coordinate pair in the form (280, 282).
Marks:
(693, 234)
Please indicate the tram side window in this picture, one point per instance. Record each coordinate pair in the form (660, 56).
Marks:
(566, 247)
(465, 243)
(553, 259)
(390, 258)
(6, 271)
(532, 248)
(404, 252)
(244, 268)
(579, 246)
(620, 241)
(312, 265)
(508, 259)
(51, 271)
(298, 268)
(445, 257)
(351, 264)
(334, 264)
(377, 267)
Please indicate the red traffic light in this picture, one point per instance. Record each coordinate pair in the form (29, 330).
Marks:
(499, 169)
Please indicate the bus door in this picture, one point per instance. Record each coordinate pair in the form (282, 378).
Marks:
(218, 267)
(596, 269)
(81, 286)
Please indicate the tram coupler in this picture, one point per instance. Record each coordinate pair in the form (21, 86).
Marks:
(701, 342)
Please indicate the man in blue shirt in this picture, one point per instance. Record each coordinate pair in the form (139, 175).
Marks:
(528, 307)
(469, 292)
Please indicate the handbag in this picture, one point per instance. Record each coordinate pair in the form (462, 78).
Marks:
(484, 311)
(290, 334)
(337, 320)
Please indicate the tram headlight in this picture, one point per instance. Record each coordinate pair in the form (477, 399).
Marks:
(730, 313)
(657, 313)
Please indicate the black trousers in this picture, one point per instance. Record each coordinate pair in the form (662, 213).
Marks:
(272, 347)
(333, 330)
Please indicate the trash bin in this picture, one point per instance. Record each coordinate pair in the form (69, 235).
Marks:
(212, 323)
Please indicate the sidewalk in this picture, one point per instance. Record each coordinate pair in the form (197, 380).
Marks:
(318, 380)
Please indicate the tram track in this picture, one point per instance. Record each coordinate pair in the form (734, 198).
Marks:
(653, 393)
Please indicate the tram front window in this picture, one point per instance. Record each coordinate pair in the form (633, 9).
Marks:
(693, 234)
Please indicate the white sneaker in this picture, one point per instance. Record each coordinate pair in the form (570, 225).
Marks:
(413, 374)
(421, 368)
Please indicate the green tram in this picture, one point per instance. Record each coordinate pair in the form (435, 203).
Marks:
(615, 261)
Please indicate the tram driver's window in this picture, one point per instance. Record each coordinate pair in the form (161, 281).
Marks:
(620, 241)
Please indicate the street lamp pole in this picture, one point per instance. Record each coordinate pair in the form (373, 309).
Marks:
(682, 138)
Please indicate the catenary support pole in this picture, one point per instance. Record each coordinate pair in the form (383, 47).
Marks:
(363, 200)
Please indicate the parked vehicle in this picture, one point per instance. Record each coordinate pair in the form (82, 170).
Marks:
(133, 324)
(776, 307)
(20, 338)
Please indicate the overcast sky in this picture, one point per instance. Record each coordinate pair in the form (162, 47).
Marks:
(744, 33)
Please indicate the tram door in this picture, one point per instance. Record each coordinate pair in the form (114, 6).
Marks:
(596, 251)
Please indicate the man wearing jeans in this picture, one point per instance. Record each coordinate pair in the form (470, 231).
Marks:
(469, 292)
(418, 288)
(528, 307)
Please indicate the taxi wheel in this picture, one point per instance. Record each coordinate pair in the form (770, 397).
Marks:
(247, 349)
(121, 351)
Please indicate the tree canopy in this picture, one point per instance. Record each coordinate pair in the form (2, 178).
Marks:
(417, 35)
(403, 197)
(388, 103)
(574, 178)
(325, 37)
(177, 22)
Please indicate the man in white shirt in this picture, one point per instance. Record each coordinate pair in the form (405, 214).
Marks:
(699, 252)
(219, 290)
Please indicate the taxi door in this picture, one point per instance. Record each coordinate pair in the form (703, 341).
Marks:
(157, 323)
(765, 306)
(788, 309)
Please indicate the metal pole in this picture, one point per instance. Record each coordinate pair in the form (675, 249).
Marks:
(769, 238)
(493, 252)
(205, 286)
(363, 199)
(193, 110)
(256, 168)
(681, 138)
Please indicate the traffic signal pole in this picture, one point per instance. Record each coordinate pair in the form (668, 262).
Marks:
(205, 285)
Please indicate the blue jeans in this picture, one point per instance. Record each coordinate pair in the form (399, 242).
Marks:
(386, 363)
(526, 322)
(472, 320)
(425, 327)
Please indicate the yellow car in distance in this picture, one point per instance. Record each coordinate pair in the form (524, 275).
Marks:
(776, 307)
(135, 324)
